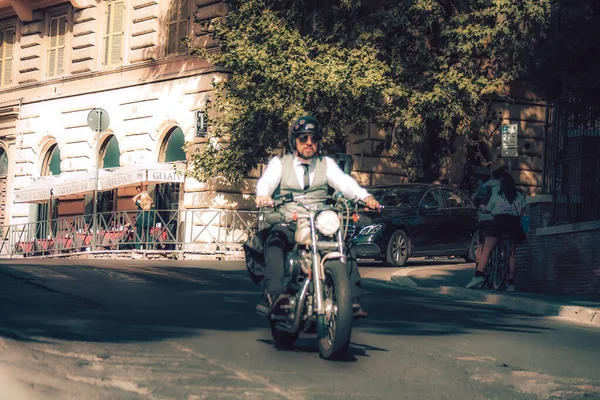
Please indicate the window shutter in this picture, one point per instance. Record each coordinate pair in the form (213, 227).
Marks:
(7, 41)
(107, 34)
(173, 11)
(178, 26)
(62, 29)
(56, 47)
(172, 28)
(117, 40)
(113, 39)
(52, 47)
(184, 21)
(183, 31)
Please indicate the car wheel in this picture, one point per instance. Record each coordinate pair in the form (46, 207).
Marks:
(471, 256)
(398, 249)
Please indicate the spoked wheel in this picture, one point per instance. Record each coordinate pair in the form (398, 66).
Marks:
(398, 249)
(500, 277)
(492, 267)
(283, 340)
(337, 321)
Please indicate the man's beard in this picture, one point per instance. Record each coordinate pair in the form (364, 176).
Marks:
(314, 154)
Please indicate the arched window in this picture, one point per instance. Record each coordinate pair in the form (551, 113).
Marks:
(49, 211)
(51, 163)
(3, 163)
(172, 148)
(110, 157)
(166, 196)
(110, 154)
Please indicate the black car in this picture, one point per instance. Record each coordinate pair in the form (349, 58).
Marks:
(417, 220)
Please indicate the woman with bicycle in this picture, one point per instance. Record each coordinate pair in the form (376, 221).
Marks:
(507, 205)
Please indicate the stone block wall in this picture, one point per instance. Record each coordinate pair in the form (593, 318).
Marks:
(563, 259)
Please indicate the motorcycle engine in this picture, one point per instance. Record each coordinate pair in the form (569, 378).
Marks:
(297, 263)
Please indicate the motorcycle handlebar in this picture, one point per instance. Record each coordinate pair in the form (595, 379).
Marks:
(288, 198)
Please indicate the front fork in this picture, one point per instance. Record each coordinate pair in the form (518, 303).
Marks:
(316, 267)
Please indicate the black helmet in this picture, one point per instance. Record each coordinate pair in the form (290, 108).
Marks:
(305, 124)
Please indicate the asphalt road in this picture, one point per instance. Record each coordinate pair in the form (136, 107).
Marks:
(129, 330)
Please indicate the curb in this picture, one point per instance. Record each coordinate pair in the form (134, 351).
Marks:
(587, 315)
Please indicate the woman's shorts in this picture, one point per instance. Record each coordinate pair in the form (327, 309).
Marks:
(509, 225)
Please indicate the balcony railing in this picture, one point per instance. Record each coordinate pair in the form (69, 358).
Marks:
(166, 230)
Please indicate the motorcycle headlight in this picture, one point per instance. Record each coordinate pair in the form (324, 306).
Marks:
(370, 230)
(328, 222)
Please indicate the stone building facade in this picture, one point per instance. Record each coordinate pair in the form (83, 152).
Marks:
(62, 59)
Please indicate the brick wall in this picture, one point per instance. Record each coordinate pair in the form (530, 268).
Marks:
(564, 263)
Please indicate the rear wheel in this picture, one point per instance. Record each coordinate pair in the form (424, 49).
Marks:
(398, 249)
(337, 321)
(501, 277)
(492, 267)
(502, 257)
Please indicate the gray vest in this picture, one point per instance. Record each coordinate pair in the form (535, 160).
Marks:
(317, 191)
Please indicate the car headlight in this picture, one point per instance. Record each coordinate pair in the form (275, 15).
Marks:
(370, 230)
(328, 222)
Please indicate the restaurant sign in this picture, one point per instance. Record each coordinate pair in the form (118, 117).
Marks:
(74, 188)
(30, 196)
(165, 176)
(134, 174)
(39, 190)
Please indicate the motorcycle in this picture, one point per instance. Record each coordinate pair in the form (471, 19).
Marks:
(315, 277)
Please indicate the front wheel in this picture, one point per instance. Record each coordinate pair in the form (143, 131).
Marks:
(337, 321)
(474, 245)
(398, 249)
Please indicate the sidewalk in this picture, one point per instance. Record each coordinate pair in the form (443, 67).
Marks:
(448, 278)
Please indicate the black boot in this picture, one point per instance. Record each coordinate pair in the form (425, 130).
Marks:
(357, 311)
(275, 300)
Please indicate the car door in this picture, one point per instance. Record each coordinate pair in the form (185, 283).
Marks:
(461, 219)
(428, 230)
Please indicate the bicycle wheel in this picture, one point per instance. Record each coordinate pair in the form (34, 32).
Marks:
(492, 266)
(501, 276)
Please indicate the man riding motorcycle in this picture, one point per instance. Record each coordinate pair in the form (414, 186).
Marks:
(304, 172)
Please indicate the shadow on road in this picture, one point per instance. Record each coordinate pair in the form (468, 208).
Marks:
(394, 311)
(416, 262)
(137, 304)
(309, 345)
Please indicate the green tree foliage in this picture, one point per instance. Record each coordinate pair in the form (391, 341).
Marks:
(423, 70)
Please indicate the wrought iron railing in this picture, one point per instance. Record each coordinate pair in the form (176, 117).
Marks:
(168, 230)
(572, 162)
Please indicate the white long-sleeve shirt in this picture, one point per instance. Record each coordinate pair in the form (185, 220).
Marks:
(336, 178)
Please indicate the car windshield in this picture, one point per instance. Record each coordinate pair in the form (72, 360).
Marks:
(396, 197)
